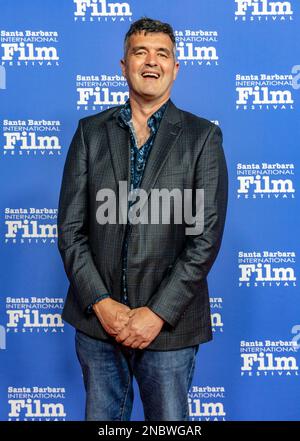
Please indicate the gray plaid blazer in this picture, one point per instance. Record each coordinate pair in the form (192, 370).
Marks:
(167, 269)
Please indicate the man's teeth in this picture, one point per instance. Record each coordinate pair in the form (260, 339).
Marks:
(150, 75)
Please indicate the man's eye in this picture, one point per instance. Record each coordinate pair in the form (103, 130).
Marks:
(162, 54)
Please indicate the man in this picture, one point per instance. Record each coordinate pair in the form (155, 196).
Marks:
(138, 294)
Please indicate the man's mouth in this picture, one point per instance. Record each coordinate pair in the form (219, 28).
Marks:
(148, 74)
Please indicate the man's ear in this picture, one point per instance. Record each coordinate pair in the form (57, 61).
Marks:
(122, 63)
(176, 70)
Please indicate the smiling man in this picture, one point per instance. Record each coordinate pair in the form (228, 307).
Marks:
(138, 294)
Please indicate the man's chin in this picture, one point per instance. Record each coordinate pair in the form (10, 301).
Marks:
(150, 94)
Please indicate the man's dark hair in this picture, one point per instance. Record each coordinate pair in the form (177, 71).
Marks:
(147, 24)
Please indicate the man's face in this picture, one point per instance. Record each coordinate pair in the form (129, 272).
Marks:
(149, 66)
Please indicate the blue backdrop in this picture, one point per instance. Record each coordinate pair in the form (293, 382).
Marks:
(239, 67)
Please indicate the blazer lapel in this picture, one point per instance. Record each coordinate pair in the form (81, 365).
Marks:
(168, 132)
(118, 142)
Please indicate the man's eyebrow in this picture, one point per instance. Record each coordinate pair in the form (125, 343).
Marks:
(163, 49)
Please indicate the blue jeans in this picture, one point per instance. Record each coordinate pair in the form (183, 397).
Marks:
(163, 377)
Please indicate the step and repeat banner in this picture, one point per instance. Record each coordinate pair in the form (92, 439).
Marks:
(240, 68)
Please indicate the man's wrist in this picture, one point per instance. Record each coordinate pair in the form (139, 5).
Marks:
(157, 315)
(101, 297)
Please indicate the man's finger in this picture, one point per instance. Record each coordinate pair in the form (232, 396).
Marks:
(130, 341)
(122, 335)
(135, 344)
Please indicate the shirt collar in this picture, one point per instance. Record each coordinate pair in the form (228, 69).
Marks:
(153, 121)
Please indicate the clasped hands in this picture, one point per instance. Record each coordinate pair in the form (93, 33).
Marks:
(135, 328)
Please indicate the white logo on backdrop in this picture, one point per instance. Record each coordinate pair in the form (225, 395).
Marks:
(100, 92)
(36, 403)
(264, 91)
(265, 181)
(197, 47)
(101, 10)
(263, 10)
(268, 358)
(30, 225)
(267, 268)
(207, 403)
(34, 315)
(29, 48)
(31, 137)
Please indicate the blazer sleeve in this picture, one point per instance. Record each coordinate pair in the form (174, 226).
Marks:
(73, 242)
(194, 263)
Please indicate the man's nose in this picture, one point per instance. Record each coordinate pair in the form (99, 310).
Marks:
(151, 59)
